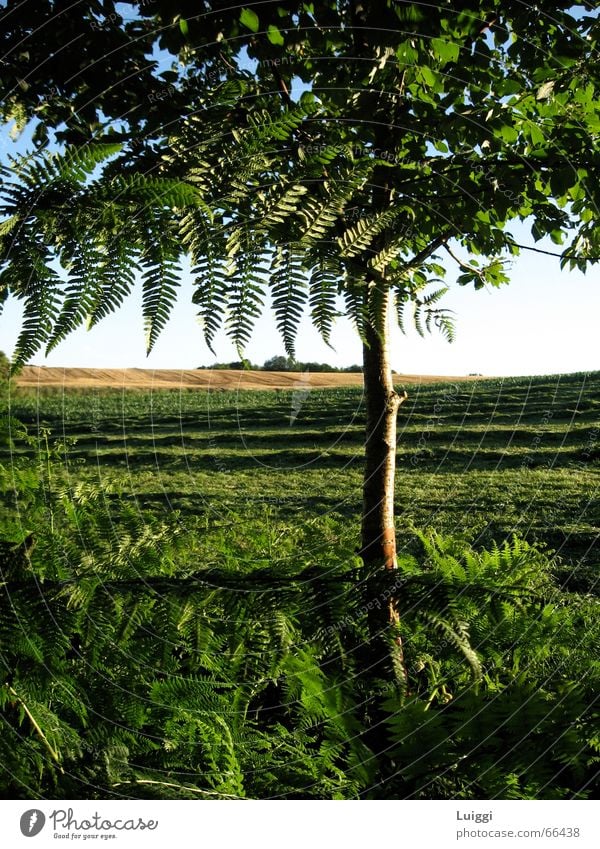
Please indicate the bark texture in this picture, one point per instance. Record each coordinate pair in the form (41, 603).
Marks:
(378, 544)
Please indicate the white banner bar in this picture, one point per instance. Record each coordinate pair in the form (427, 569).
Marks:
(300, 824)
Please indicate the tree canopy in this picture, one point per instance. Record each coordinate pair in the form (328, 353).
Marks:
(325, 147)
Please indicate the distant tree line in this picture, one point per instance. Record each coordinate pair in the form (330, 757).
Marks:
(283, 363)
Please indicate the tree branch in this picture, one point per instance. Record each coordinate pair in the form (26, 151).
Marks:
(417, 259)
(36, 728)
(282, 86)
(553, 253)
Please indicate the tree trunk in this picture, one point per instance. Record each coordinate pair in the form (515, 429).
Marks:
(378, 544)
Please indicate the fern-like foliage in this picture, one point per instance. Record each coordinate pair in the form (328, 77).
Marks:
(115, 280)
(289, 292)
(161, 277)
(129, 666)
(245, 296)
(206, 249)
(356, 295)
(358, 238)
(80, 294)
(101, 219)
(323, 288)
(38, 285)
(281, 205)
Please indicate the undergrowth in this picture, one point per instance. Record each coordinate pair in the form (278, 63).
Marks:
(132, 667)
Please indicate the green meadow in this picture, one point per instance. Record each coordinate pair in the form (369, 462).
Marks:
(486, 459)
(184, 614)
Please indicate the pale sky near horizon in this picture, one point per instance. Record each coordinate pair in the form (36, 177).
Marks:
(544, 322)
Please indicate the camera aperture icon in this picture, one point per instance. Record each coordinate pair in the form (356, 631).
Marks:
(32, 822)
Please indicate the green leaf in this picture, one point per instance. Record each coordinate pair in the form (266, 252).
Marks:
(561, 180)
(273, 34)
(508, 134)
(537, 231)
(534, 133)
(249, 19)
(445, 50)
(509, 86)
(183, 26)
(428, 76)
(406, 54)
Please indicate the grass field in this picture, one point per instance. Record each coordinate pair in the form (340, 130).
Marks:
(485, 458)
(184, 614)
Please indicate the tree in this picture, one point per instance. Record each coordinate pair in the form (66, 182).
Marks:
(278, 363)
(418, 132)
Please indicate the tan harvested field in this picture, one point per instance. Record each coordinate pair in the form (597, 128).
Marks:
(42, 377)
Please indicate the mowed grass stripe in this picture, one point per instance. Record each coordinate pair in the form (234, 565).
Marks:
(486, 458)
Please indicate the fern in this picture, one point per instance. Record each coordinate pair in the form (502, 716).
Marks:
(106, 221)
(356, 298)
(246, 290)
(281, 206)
(323, 289)
(161, 279)
(211, 281)
(80, 294)
(266, 127)
(225, 681)
(356, 239)
(116, 279)
(288, 286)
(40, 290)
(318, 219)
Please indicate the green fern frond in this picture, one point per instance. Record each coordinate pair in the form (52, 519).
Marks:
(116, 275)
(323, 291)
(289, 292)
(356, 239)
(395, 243)
(457, 635)
(401, 300)
(78, 162)
(41, 294)
(207, 250)
(444, 323)
(161, 279)
(139, 191)
(377, 301)
(282, 206)
(245, 296)
(318, 218)
(264, 127)
(81, 292)
(355, 293)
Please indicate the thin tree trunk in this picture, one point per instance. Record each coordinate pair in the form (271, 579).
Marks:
(378, 544)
